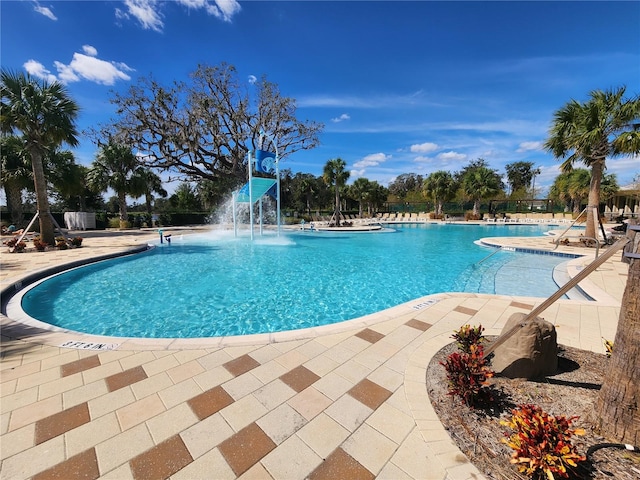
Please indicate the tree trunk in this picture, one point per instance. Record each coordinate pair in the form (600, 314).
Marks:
(47, 234)
(13, 192)
(336, 213)
(617, 410)
(148, 199)
(476, 208)
(576, 207)
(122, 203)
(594, 198)
(82, 203)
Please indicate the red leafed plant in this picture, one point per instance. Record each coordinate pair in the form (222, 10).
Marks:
(467, 374)
(467, 336)
(542, 442)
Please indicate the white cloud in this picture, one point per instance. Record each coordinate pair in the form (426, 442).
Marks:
(147, 12)
(36, 69)
(529, 146)
(424, 147)
(96, 70)
(372, 160)
(353, 174)
(82, 67)
(451, 156)
(89, 50)
(66, 73)
(193, 3)
(223, 9)
(252, 79)
(341, 118)
(46, 11)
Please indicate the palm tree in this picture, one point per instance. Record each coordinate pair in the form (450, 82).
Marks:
(609, 187)
(571, 188)
(15, 175)
(118, 168)
(45, 115)
(334, 173)
(152, 184)
(590, 132)
(480, 183)
(360, 191)
(67, 177)
(376, 197)
(307, 190)
(616, 410)
(440, 187)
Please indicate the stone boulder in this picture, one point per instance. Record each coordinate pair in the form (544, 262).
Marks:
(531, 352)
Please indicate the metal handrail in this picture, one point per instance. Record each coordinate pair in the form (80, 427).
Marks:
(584, 210)
(489, 256)
(597, 242)
(581, 275)
(562, 235)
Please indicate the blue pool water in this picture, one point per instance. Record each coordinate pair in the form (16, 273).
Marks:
(216, 285)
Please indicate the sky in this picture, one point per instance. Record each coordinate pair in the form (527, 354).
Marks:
(401, 87)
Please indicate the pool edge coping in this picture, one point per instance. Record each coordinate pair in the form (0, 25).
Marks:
(45, 334)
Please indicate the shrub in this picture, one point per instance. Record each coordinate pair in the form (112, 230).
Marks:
(542, 442)
(39, 244)
(470, 216)
(468, 375)
(61, 243)
(467, 336)
(18, 247)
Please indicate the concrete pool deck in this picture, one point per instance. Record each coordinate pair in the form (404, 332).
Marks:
(341, 401)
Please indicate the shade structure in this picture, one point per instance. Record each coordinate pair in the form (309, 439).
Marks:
(259, 188)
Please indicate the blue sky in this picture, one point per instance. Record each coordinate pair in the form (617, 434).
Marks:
(401, 87)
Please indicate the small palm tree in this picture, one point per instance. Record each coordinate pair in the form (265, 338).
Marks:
(118, 168)
(152, 184)
(67, 177)
(578, 188)
(45, 115)
(16, 175)
(334, 174)
(307, 189)
(589, 132)
(360, 190)
(480, 183)
(440, 187)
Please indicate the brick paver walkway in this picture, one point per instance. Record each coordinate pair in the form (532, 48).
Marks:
(342, 401)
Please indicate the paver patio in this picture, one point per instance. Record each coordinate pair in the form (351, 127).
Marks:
(342, 401)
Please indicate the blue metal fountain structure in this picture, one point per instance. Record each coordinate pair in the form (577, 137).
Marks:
(256, 188)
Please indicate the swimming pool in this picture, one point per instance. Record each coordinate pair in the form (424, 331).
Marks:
(218, 285)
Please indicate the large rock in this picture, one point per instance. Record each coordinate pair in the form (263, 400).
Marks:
(530, 353)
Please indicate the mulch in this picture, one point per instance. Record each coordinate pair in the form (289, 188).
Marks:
(571, 392)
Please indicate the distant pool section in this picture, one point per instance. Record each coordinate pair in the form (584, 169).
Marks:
(213, 284)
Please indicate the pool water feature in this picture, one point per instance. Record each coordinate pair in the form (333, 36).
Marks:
(218, 285)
